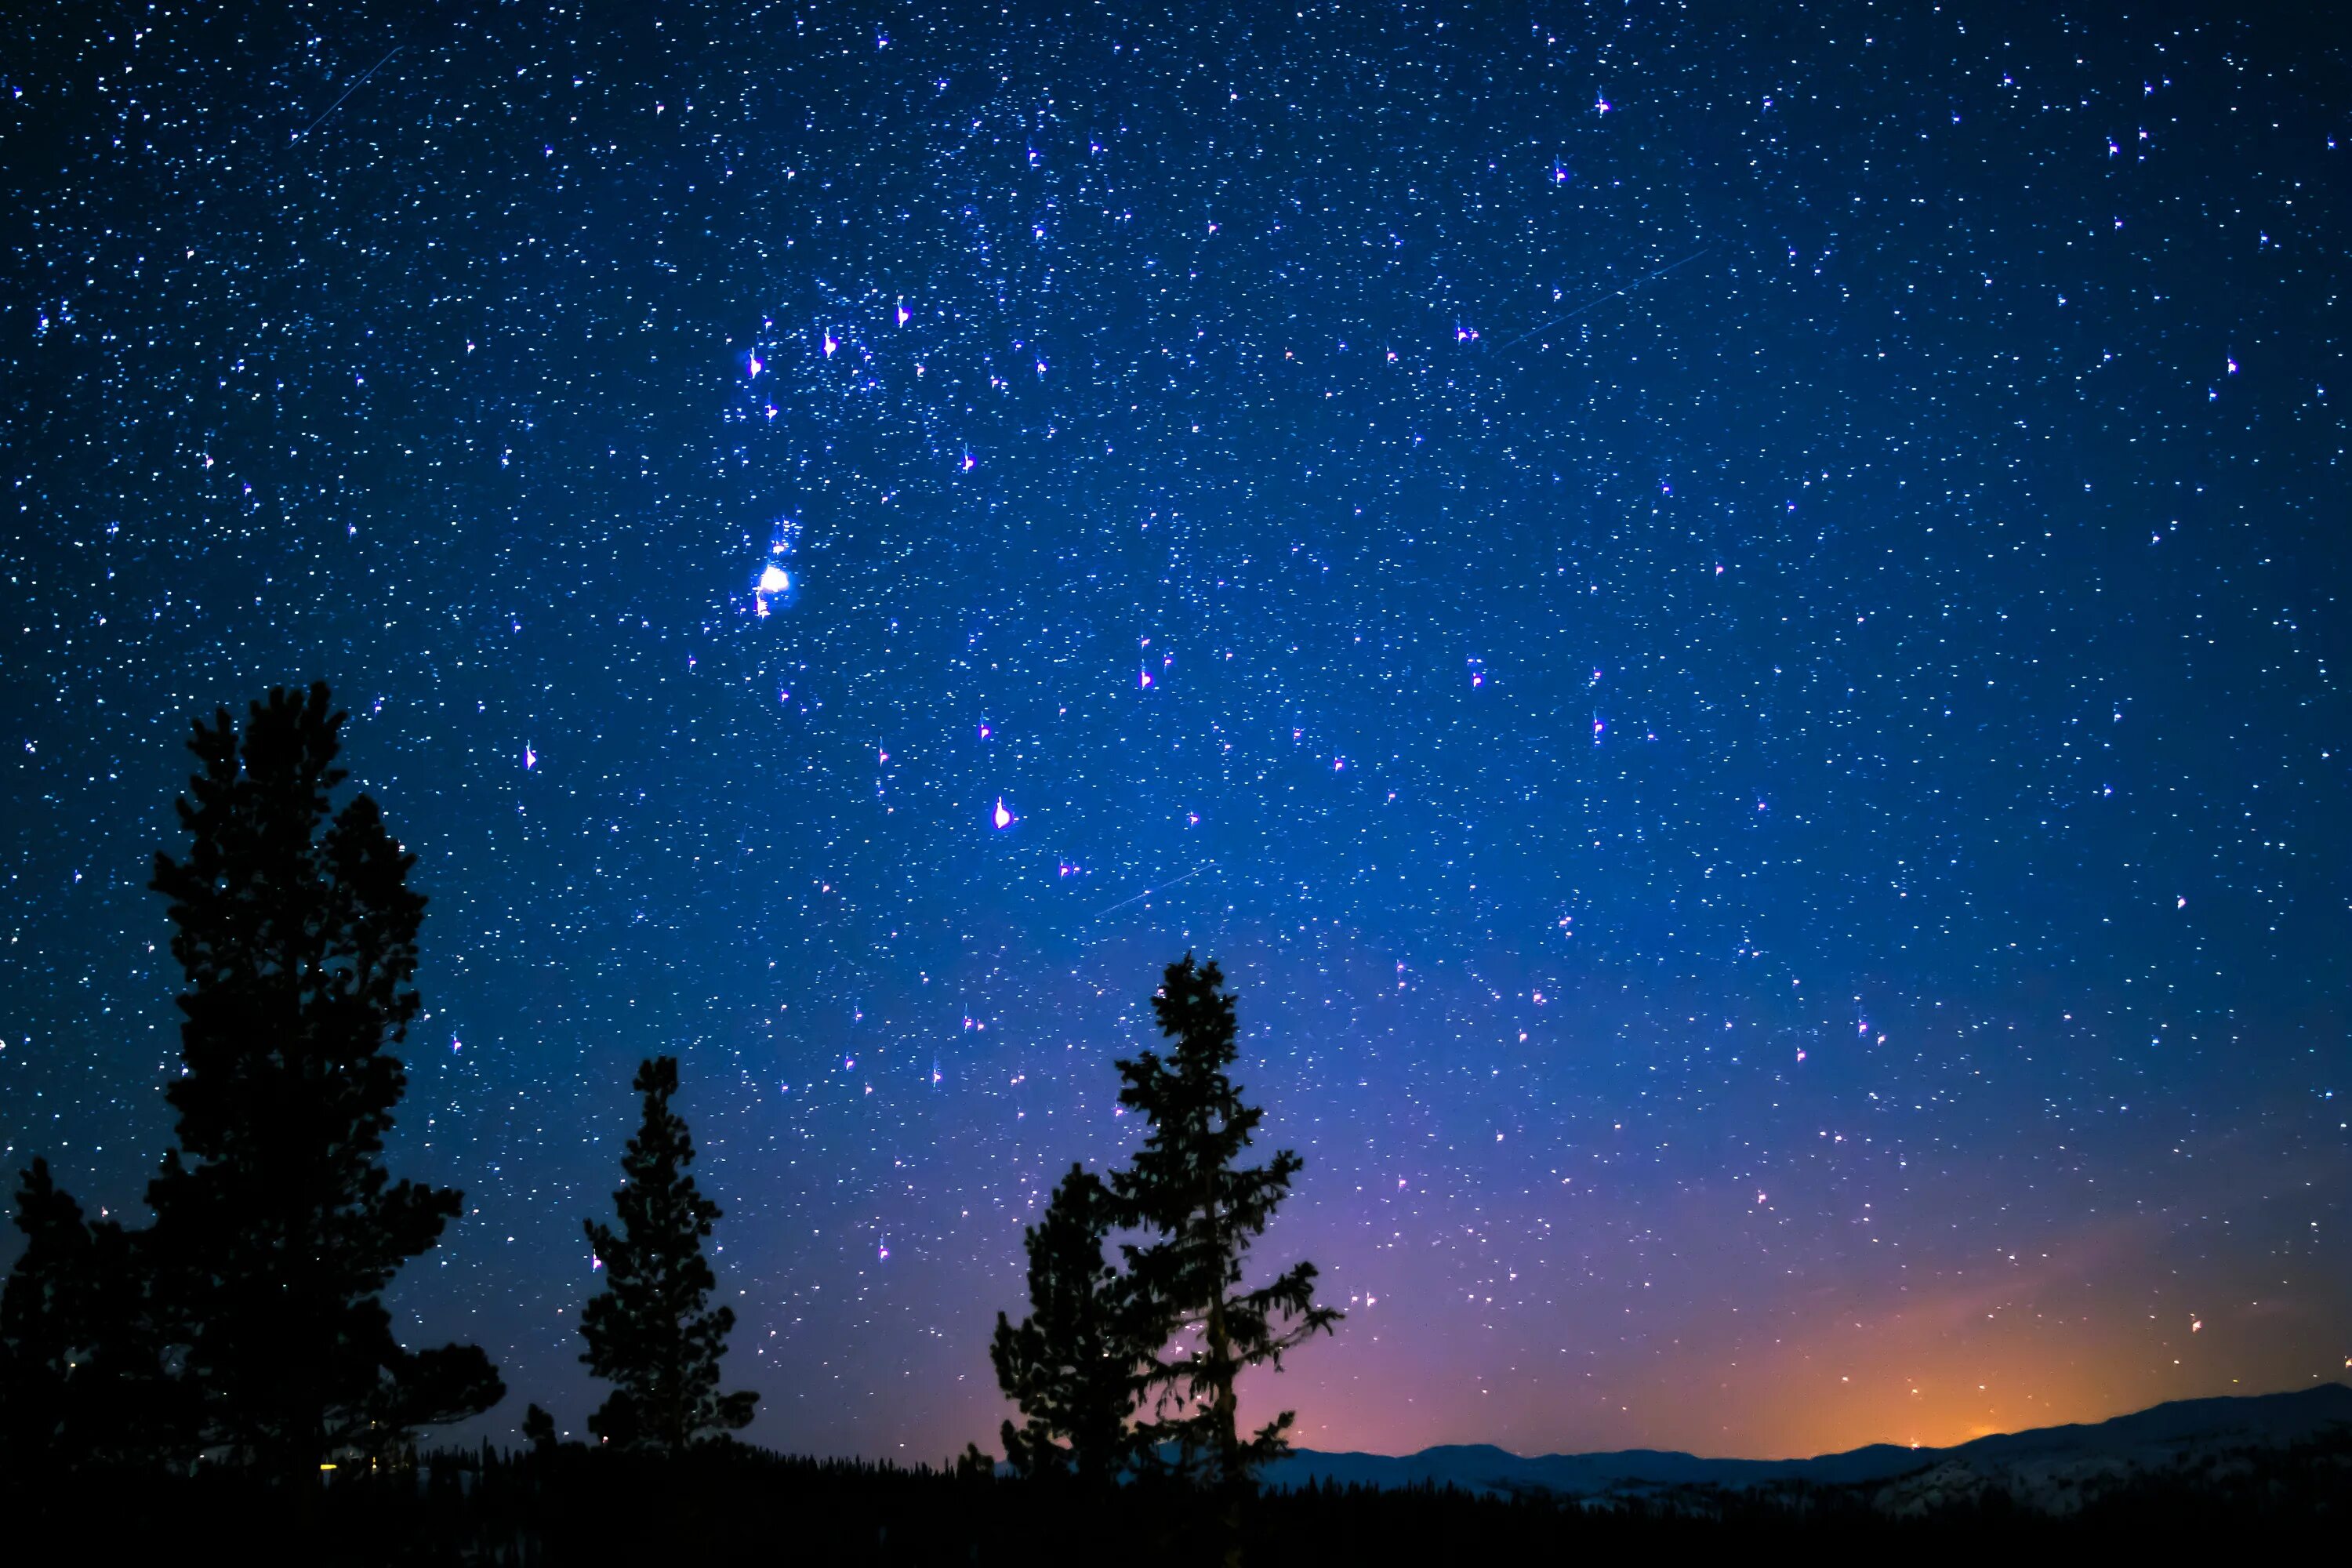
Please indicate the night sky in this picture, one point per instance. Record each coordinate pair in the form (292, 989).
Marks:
(1729, 623)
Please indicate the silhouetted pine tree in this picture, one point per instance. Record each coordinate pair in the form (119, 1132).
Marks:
(653, 1335)
(1072, 1366)
(81, 1374)
(539, 1430)
(1187, 1190)
(276, 1227)
(48, 1313)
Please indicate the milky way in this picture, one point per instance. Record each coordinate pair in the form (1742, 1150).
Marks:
(1729, 624)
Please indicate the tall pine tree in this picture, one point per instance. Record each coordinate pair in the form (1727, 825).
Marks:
(277, 1228)
(1073, 1365)
(1201, 1211)
(653, 1334)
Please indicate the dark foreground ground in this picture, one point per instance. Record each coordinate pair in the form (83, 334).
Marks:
(745, 1507)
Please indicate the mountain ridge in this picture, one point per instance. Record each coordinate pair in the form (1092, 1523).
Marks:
(2035, 1457)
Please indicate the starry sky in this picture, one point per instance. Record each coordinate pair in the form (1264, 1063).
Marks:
(1727, 617)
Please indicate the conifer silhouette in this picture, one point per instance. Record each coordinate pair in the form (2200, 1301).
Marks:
(1202, 1210)
(653, 1335)
(81, 1376)
(276, 1227)
(48, 1319)
(539, 1430)
(1072, 1366)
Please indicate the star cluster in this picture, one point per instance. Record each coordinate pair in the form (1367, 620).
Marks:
(1727, 621)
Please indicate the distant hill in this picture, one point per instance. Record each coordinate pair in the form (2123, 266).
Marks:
(2047, 1466)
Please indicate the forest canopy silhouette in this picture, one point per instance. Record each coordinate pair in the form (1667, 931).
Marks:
(232, 1361)
(243, 1331)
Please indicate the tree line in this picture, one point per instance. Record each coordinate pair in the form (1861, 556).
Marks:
(243, 1331)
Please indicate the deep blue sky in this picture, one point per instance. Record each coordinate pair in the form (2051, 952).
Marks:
(1729, 624)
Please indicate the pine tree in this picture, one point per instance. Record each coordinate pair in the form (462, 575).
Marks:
(276, 1227)
(539, 1430)
(48, 1323)
(1202, 1211)
(1072, 1366)
(653, 1335)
